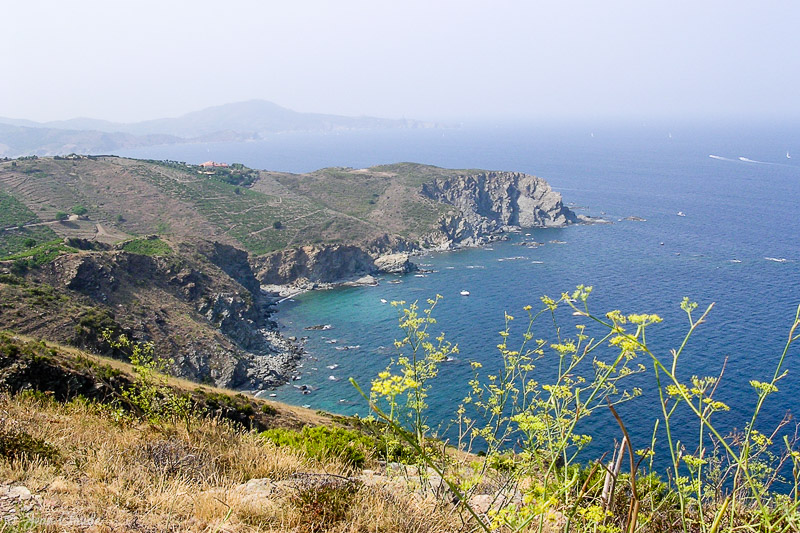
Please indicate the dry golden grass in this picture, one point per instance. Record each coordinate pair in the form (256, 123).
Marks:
(131, 476)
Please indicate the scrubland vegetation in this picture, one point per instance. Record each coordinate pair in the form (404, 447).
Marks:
(151, 453)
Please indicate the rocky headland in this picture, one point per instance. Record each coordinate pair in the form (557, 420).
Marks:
(486, 206)
(491, 203)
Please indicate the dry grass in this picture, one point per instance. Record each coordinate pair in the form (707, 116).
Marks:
(130, 476)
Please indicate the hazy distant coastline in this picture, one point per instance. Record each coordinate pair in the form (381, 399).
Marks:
(242, 121)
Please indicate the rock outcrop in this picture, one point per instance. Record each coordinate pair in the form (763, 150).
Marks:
(492, 202)
(314, 264)
(325, 265)
(398, 263)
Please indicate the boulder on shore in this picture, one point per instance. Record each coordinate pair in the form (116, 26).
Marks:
(398, 263)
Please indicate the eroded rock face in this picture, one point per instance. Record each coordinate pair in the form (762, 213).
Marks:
(205, 311)
(490, 203)
(317, 264)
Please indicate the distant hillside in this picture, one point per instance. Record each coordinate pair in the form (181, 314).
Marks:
(230, 122)
(259, 117)
(262, 212)
(18, 141)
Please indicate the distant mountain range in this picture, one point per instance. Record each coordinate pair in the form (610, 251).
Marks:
(230, 122)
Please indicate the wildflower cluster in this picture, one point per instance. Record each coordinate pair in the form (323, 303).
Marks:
(150, 394)
(417, 363)
(523, 410)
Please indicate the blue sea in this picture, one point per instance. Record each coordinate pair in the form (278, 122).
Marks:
(737, 247)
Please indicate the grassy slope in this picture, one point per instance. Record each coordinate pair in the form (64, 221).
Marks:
(14, 235)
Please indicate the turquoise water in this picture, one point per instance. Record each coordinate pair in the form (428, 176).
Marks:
(743, 210)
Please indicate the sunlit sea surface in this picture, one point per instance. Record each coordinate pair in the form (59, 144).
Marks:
(737, 246)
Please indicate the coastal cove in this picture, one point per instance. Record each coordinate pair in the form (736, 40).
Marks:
(737, 214)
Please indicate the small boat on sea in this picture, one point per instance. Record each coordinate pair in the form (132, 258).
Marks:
(383, 300)
(776, 259)
(681, 214)
(464, 293)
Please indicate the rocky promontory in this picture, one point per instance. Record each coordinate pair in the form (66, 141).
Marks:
(490, 203)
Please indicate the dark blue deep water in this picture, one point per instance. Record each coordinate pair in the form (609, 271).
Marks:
(738, 212)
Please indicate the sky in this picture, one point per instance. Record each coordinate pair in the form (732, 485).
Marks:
(126, 60)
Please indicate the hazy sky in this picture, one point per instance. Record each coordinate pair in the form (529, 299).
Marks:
(134, 60)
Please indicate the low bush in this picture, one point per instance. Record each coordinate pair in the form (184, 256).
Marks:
(17, 444)
(147, 246)
(350, 446)
(323, 501)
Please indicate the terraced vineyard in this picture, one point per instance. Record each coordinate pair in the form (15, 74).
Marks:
(262, 212)
(260, 222)
(20, 228)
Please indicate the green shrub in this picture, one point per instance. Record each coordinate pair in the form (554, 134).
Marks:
(79, 210)
(237, 402)
(11, 279)
(150, 393)
(21, 240)
(91, 325)
(61, 216)
(147, 246)
(39, 255)
(17, 444)
(325, 443)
